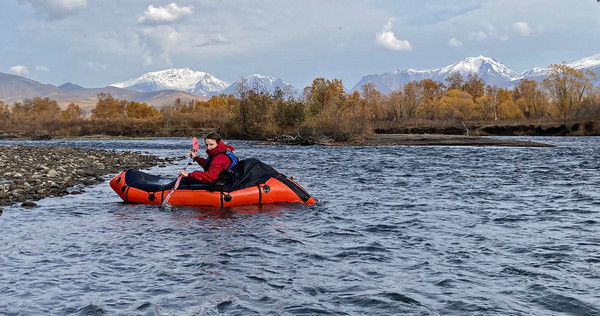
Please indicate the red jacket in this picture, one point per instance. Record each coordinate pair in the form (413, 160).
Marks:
(218, 163)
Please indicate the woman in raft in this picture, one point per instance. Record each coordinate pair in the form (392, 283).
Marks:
(220, 158)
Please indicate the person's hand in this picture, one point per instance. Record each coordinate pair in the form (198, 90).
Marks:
(183, 173)
(193, 153)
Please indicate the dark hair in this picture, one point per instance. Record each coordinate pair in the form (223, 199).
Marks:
(214, 136)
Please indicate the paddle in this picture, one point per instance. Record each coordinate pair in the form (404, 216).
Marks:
(195, 147)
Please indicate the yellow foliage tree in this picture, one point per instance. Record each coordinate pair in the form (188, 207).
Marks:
(109, 108)
(459, 105)
(508, 110)
(567, 87)
(72, 112)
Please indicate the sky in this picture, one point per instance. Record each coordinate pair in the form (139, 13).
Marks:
(94, 43)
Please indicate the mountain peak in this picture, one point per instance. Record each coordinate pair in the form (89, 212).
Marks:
(184, 79)
(262, 83)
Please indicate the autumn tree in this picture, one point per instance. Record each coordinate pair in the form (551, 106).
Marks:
(431, 93)
(72, 112)
(506, 108)
(488, 103)
(457, 104)
(567, 87)
(109, 108)
(474, 85)
(288, 113)
(411, 95)
(531, 100)
(138, 110)
(455, 81)
(4, 111)
(373, 99)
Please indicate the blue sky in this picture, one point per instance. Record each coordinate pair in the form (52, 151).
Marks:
(94, 43)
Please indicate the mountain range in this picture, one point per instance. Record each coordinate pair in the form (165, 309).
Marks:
(162, 88)
(16, 89)
(493, 72)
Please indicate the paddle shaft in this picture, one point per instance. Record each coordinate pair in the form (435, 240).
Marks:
(166, 200)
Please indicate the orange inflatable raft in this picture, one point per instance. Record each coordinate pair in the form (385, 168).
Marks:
(253, 183)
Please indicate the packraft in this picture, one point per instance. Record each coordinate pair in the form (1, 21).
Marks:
(252, 182)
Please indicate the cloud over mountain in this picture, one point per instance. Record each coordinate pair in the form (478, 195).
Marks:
(388, 40)
(169, 13)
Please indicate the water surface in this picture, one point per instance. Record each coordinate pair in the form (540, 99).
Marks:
(397, 230)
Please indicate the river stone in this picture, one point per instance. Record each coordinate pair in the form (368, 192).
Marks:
(17, 192)
(4, 195)
(52, 173)
(28, 204)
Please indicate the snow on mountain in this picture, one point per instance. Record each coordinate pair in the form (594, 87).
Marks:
(586, 63)
(590, 63)
(195, 82)
(488, 69)
(261, 83)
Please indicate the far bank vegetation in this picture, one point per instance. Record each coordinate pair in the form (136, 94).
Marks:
(326, 112)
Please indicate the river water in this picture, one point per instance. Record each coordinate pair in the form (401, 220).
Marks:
(397, 231)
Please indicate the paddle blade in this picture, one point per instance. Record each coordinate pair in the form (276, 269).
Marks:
(195, 145)
(166, 200)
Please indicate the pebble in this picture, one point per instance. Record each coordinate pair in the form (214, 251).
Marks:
(30, 173)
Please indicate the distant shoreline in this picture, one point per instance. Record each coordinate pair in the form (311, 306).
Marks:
(374, 140)
(445, 140)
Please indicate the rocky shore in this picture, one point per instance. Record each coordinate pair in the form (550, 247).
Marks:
(28, 174)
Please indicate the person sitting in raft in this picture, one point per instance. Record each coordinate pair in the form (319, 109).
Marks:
(220, 158)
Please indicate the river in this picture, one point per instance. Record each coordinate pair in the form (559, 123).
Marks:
(406, 230)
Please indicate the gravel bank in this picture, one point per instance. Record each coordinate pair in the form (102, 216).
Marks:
(29, 174)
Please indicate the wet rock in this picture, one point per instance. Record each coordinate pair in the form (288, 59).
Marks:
(4, 196)
(28, 204)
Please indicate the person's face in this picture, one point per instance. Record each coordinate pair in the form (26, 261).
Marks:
(210, 144)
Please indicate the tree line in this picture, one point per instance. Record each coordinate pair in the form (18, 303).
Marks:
(325, 110)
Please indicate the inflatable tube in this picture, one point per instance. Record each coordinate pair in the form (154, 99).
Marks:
(253, 183)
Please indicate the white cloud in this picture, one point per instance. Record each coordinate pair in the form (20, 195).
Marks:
(478, 36)
(157, 42)
(522, 28)
(388, 40)
(454, 42)
(169, 13)
(42, 68)
(19, 70)
(56, 9)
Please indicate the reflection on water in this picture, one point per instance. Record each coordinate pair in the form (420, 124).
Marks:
(397, 230)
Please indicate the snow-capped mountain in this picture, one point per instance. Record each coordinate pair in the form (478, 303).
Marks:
(184, 79)
(261, 83)
(488, 69)
(589, 63)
